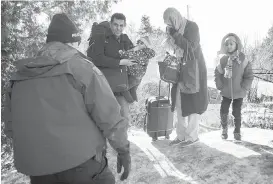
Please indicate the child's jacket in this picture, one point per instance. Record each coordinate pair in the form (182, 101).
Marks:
(242, 75)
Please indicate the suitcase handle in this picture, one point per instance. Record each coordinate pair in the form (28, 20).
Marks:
(169, 89)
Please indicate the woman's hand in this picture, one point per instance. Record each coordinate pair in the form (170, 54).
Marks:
(170, 30)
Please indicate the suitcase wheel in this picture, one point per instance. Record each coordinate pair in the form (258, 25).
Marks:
(154, 138)
(145, 128)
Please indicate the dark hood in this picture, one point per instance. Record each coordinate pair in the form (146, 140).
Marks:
(52, 54)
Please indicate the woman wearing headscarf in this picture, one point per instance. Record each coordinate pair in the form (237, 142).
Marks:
(190, 94)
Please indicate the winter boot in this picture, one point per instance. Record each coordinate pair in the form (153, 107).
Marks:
(224, 133)
(224, 123)
(237, 106)
(237, 136)
(237, 130)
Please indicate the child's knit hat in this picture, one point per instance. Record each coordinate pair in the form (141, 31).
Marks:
(145, 40)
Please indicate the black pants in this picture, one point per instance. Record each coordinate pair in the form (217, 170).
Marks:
(90, 172)
(236, 111)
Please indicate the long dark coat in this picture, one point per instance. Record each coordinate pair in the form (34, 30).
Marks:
(195, 102)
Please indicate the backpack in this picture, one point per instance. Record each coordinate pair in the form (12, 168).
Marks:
(116, 77)
(97, 29)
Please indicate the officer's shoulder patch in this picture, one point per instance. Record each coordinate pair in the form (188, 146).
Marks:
(97, 71)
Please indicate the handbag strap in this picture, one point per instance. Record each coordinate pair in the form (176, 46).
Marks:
(159, 88)
(188, 54)
(169, 89)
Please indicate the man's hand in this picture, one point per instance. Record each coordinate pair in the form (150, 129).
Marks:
(124, 160)
(127, 62)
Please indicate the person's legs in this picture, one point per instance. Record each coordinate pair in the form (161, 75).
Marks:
(47, 179)
(236, 112)
(106, 176)
(224, 110)
(124, 108)
(191, 135)
(193, 127)
(181, 121)
(90, 172)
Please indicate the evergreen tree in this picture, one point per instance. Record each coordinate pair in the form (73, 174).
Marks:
(23, 34)
(145, 27)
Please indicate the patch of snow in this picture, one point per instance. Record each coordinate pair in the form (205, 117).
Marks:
(161, 163)
(212, 160)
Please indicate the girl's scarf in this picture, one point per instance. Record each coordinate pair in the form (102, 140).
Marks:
(234, 57)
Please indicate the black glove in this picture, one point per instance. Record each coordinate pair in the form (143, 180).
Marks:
(170, 30)
(124, 160)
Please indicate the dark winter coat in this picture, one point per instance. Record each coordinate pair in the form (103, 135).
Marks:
(197, 102)
(105, 53)
(59, 111)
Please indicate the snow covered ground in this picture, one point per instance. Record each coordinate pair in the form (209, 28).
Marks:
(212, 160)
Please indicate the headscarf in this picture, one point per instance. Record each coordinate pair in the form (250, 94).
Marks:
(173, 18)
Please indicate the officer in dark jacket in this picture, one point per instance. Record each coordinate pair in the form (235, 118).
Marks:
(105, 54)
(59, 112)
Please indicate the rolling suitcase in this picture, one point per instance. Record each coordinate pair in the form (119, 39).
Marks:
(158, 119)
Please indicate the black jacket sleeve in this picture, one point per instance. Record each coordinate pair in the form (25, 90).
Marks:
(96, 52)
